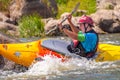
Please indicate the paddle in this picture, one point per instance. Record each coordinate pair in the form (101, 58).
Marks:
(72, 12)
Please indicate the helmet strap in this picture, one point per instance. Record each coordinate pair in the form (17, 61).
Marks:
(86, 27)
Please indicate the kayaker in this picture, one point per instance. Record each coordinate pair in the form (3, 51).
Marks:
(84, 38)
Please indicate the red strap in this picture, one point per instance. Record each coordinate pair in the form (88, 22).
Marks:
(75, 43)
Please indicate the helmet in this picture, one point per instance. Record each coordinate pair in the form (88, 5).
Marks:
(86, 19)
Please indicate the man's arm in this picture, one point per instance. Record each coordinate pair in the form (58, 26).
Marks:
(70, 34)
(74, 29)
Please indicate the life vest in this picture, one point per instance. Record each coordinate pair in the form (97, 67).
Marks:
(77, 48)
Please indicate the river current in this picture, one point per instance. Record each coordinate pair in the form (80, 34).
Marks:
(74, 69)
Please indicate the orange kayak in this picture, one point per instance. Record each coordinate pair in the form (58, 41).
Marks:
(26, 53)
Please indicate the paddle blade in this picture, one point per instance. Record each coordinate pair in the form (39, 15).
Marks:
(75, 8)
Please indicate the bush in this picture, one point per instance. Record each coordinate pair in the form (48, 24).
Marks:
(88, 5)
(31, 26)
(62, 1)
(4, 5)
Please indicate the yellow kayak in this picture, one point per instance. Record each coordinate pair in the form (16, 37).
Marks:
(21, 53)
(108, 52)
(26, 53)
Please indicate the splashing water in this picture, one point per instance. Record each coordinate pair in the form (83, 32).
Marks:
(52, 66)
(75, 68)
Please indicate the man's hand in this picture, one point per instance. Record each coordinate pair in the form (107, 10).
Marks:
(69, 18)
(60, 26)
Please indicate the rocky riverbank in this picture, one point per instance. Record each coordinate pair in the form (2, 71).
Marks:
(106, 18)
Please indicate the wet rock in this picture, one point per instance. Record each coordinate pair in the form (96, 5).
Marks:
(2, 62)
(6, 64)
(11, 22)
(106, 20)
(44, 8)
(19, 68)
(9, 65)
(3, 17)
(8, 26)
(107, 4)
(7, 39)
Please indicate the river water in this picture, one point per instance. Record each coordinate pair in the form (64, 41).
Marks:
(74, 69)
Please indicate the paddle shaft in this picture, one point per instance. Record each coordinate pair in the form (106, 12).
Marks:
(73, 11)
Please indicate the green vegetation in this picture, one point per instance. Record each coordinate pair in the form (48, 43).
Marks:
(62, 1)
(89, 5)
(68, 5)
(63, 5)
(31, 26)
(4, 5)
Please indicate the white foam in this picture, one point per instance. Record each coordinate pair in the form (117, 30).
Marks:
(53, 66)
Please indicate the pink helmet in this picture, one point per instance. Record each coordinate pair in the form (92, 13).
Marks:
(86, 19)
